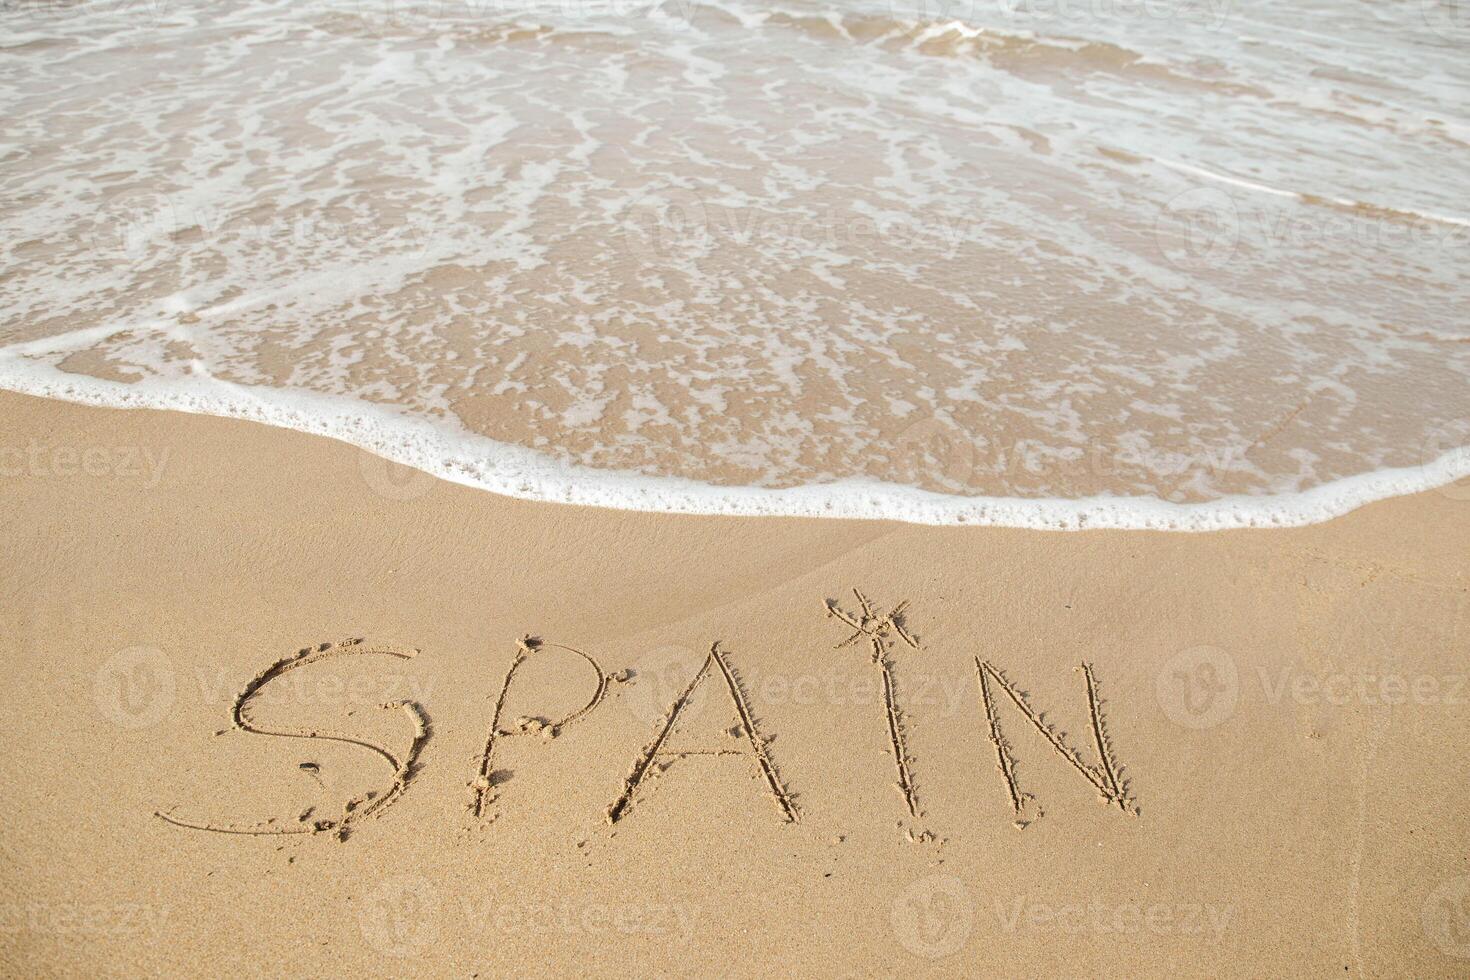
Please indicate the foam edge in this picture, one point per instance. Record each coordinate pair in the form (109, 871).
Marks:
(514, 471)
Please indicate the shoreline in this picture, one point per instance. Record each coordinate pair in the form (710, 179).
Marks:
(526, 474)
(1235, 744)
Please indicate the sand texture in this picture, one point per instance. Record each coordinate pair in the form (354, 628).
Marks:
(271, 705)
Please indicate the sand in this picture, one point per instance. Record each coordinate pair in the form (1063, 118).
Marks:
(1237, 753)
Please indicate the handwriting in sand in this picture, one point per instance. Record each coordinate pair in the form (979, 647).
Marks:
(882, 633)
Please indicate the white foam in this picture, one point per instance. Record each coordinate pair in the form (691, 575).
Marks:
(465, 458)
(623, 235)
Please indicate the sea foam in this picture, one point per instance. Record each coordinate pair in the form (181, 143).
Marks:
(513, 471)
(1040, 265)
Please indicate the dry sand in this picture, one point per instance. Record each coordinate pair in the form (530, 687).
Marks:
(1283, 715)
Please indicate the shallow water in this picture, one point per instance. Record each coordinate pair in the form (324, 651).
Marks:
(1046, 251)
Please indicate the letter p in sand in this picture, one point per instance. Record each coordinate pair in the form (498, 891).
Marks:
(501, 727)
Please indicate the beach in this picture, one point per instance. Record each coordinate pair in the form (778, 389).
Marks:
(1037, 264)
(1114, 751)
(734, 487)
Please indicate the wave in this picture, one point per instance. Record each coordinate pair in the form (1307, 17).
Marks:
(462, 457)
(729, 257)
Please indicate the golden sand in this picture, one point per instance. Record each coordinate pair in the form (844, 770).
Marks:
(275, 702)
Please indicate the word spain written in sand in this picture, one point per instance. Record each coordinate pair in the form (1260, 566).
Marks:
(870, 630)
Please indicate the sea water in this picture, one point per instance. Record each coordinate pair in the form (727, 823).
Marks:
(1048, 263)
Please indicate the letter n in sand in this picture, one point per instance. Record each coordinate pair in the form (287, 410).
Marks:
(1106, 777)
